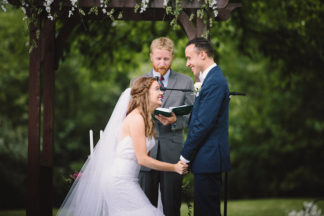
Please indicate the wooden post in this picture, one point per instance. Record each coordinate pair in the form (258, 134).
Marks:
(201, 27)
(46, 164)
(40, 164)
(33, 198)
(191, 30)
(187, 26)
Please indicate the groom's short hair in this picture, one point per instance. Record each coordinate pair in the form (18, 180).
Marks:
(202, 44)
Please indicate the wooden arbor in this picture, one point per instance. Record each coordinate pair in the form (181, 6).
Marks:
(44, 59)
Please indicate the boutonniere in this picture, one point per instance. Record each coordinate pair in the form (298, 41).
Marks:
(197, 88)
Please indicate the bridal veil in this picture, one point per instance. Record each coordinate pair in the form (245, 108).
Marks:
(86, 196)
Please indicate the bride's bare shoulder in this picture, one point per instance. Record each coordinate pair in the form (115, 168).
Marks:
(133, 121)
(134, 125)
(134, 117)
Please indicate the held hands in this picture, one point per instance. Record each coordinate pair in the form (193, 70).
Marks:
(181, 168)
(166, 120)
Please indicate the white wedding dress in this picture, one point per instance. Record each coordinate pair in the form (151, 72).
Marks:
(124, 194)
(108, 184)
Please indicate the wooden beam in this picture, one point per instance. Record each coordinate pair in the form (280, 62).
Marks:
(187, 25)
(46, 165)
(222, 3)
(191, 30)
(154, 14)
(33, 198)
(130, 4)
(223, 6)
(195, 4)
(225, 13)
(201, 27)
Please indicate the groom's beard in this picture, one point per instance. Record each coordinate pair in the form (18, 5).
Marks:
(161, 70)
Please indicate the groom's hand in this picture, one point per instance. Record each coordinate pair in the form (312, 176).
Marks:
(166, 120)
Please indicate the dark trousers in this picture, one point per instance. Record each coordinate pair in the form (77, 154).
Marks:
(170, 189)
(207, 194)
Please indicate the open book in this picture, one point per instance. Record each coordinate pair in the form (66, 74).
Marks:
(178, 110)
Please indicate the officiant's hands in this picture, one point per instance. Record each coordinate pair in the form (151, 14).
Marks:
(181, 168)
(166, 120)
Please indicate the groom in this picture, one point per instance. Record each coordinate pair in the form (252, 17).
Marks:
(206, 147)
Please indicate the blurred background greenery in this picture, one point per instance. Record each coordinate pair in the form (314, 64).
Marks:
(271, 50)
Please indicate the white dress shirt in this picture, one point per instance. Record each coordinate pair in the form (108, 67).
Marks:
(165, 76)
(203, 75)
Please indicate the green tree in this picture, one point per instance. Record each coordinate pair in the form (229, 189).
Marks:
(277, 130)
(13, 107)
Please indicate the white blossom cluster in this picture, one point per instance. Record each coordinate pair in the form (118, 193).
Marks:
(2, 5)
(23, 8)
(24, 5)
(310, 209)
(144, 5)
(74, 6)
(47, 5)
(213, 6)
(165, 3)
(103, 6)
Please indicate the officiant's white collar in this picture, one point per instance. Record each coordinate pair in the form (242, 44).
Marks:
(203, 75)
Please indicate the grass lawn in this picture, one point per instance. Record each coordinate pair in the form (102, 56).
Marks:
(261, 207)
(258, 207)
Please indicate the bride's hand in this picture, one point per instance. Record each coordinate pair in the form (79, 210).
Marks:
(181, 168)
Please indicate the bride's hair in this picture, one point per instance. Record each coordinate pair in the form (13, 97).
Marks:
(140, 99)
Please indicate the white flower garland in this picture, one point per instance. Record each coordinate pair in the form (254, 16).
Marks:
(103, 8)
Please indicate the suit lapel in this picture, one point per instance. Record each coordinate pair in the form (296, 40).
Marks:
(171, 83)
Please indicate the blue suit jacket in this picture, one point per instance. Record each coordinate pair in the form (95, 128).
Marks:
(207, 144)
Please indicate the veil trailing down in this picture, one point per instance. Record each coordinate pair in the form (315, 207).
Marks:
(86, 196)
(108, 184)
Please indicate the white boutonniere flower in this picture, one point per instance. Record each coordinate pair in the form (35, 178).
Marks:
(197, 87)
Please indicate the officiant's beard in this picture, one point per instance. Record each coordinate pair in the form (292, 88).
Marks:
(161, 70)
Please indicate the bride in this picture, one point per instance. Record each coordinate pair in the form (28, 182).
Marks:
(108, 184)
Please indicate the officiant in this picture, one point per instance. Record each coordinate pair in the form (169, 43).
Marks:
(170, 130)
